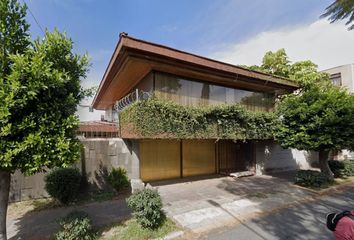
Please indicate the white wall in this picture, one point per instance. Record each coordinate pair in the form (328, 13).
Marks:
(85, 115)
(347, 75)
(271, 157)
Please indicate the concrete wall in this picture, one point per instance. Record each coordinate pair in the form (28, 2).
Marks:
(23, 188)
(98, 158)
(271, 157)
(101, 155)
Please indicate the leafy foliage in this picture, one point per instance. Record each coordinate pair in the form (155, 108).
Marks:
(276, 63)
(311, 178)
(147, 208)
(318, 116)
(39, 98)
(339, 10)
(118, 178)
(63, 184)
(342, 169)
(155, 118)
(14, 36)
(76, 226)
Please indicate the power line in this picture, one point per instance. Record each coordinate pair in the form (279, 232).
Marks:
(35, 19)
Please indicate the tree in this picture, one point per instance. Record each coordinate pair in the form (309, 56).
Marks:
(319, 116)
(339, 10)
(39, 91)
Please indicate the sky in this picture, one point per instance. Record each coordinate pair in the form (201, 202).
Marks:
(235, 31)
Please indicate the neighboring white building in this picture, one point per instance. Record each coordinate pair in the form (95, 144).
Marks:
(86, 113)
(343, 76)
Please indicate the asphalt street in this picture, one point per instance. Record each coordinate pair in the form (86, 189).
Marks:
(305, 221)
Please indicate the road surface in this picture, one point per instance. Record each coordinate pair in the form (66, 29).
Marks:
(305, 221)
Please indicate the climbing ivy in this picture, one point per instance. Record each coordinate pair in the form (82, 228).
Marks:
(155, 118)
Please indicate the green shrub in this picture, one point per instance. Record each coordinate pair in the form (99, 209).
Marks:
(63, 184)
(146, 205)
(75, 226)
(310, 178)
(118, 178)
(342, 169)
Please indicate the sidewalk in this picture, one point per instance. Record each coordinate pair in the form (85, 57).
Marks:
(40, 225)
(203, 205)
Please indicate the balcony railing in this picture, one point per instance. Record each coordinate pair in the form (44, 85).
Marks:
(130, 98)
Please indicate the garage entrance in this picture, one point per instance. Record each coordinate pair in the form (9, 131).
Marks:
(169, 159)
(198, 157)
(160, 159)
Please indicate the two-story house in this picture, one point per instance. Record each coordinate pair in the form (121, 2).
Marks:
(139, 69)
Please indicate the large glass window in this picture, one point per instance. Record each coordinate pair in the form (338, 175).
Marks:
(146, 84)
(194, 93)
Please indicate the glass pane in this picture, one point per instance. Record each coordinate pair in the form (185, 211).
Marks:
(194, 93)
(146, 84)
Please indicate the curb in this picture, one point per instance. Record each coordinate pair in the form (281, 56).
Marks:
(328, 190)
(171, 235)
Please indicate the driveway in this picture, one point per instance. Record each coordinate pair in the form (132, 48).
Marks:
(200, 205)
(304, 221)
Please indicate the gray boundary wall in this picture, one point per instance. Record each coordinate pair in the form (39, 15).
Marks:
(98, 157)
(271, 157)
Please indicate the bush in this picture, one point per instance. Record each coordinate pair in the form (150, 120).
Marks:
(310, 178)
(118, 178)
(75, 226)
(63, 184)
(342, 169)
(146, 205)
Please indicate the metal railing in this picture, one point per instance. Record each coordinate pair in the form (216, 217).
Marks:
(130, 98)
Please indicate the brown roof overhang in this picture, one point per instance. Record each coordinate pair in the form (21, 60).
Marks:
(98, 126)
(134, 58)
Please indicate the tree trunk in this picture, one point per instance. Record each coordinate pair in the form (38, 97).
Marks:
(5, 177)
(323, 160)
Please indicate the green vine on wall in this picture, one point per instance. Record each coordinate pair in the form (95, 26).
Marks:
(154, 118)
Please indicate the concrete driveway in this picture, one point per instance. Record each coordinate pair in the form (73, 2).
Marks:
(200, 205)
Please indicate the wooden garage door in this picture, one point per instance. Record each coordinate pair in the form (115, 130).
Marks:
(198, 157)
(160, 159)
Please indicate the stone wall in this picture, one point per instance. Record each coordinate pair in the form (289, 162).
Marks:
(271, 157)
(99, 155)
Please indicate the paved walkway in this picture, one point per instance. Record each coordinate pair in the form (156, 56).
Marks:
(40, 225)
(304, 221)
(206, 204)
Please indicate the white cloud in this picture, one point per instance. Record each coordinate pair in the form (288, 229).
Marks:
(328, 45)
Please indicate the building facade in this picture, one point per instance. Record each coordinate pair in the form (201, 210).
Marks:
(140, 69)
(342, 76)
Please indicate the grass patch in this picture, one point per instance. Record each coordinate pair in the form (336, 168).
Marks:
(34, 205)
(99, 196)
(23, 207)
(131, 230)
(336, 182)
